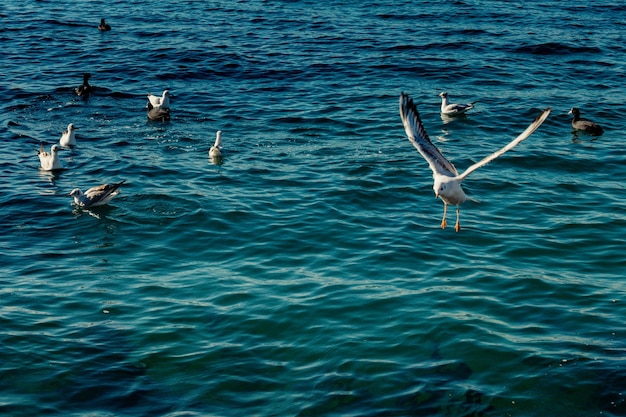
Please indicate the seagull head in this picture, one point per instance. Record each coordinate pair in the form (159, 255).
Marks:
(443, 94)
(449, 190)
(79, 197)
(71, 127)
(439, 186)
(55, 148)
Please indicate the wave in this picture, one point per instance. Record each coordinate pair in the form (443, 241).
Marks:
(556, 48)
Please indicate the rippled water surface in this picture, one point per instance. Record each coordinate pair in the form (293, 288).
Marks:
(306, 273)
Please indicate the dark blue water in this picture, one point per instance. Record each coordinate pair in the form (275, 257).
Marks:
(306, 274)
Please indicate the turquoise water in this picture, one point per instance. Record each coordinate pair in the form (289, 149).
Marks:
(307, 275)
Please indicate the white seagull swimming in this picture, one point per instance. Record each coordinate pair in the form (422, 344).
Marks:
(96, 196)
(156, 102)
(453, 109)
(49, 160)
(68, 138)
(447, 181)
(216, 149)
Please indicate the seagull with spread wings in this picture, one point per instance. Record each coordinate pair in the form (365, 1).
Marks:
(447, 181)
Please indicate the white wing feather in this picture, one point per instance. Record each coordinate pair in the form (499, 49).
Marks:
(419, 138)
(154, 100)
(526, 133)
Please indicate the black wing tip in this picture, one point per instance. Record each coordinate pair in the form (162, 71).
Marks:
(544, 114)
(406, 103)
(116, 185)
(410, 114)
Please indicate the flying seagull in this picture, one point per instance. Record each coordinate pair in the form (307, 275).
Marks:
(447, 181)
(96, 196)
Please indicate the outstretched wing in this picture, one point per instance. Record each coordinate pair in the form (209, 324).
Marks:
(526, 133)
(419, 138)
(155, 101)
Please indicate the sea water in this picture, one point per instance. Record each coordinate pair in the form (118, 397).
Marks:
(306, 273)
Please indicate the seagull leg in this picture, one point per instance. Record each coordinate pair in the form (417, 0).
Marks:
(457, 226)
(443, 220)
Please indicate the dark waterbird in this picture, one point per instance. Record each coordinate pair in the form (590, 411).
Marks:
(588, 126)
(104, 26)
(85, 89)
